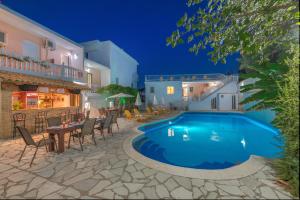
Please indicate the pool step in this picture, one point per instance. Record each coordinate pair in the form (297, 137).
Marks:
(137, 145)
(153, 150)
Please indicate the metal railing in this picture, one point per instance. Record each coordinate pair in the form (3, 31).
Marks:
(185, 77)
(213, 89)
(12, 62)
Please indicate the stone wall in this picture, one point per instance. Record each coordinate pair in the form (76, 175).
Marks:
(6, 122)
(30, 115)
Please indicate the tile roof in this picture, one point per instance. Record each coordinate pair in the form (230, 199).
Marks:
(27, 79)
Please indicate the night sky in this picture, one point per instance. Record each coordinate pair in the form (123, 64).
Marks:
(140, 27)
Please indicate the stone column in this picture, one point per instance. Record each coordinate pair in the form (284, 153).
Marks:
(1, 125)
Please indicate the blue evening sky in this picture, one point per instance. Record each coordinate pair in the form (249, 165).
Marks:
(140, 27)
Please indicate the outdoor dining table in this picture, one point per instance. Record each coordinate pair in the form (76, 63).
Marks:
(60, 132)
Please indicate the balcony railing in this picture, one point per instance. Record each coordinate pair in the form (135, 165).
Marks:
(185, 77)
(14, 63)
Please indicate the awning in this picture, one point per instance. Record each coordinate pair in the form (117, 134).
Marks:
(19, 79)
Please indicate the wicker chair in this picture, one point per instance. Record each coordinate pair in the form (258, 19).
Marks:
(88, 129)
(30, 142)
(106, 125)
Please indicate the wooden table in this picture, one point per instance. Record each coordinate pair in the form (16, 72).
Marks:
(60, 132)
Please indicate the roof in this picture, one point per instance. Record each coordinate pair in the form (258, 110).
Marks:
(27, 79)
(97, 43)
(92, 64)
(38, 24)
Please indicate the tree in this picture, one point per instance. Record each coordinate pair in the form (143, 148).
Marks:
(229, 26)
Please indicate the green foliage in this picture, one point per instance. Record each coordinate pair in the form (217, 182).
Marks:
(287, 120)
(263, 32)
(269, 72)
(113, 89)
(227, 26)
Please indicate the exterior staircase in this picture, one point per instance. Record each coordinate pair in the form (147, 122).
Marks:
(210, 95)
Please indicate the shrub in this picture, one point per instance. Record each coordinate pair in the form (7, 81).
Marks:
(287, 120)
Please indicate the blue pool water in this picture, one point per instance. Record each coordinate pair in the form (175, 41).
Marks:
(207, 140)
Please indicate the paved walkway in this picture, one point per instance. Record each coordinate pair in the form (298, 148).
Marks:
(107, 172)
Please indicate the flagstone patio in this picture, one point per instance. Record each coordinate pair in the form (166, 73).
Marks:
(106, 171)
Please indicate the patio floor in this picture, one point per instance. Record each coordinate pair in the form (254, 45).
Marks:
(106, 171)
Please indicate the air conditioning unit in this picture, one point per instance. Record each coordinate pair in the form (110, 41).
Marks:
(50, 45)
(2, 39)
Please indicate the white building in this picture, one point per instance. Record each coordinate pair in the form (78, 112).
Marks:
(123, 68)
(105, 63)
(193, 91)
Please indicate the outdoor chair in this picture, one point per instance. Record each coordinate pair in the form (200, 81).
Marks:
(87, 116)
(87, 129)
(106, 125)
(115, 119)
(127, 115)
(101, 112)
(151, 111)
(30, 142)
(141, 117)
(40, 122)
(18, 120)
(54, 121)
(64, 116)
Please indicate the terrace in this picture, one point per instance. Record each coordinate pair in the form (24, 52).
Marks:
(106, 171)
(11, 62)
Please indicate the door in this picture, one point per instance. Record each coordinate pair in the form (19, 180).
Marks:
(226, 102)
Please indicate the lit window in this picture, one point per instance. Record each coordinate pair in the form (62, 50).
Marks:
(170, 90)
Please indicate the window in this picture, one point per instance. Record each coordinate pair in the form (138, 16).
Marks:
(152, 90)
(117, 81)
(38, 100)
(191, 89)
(2, 38)
(30, 49)
(86, 54)
(170, 90)
(89, 79)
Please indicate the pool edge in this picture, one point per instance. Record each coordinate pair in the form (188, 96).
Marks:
(248, 167)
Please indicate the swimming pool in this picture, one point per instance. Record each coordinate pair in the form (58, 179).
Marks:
(207, 140)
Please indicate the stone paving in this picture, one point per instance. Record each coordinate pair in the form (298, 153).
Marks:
(106, 171)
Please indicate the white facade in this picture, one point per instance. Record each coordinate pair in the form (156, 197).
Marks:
(98, 76)
(159, 89)
(220, 92)
(123, 68)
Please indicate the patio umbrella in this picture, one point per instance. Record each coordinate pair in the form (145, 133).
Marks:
(155, 103)
(163, 102)
(120, 95)
(138, 101)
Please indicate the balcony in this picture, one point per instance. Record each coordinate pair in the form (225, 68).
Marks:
(185, 77)
(11, 62)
